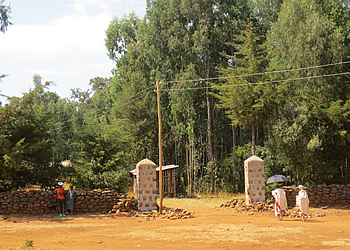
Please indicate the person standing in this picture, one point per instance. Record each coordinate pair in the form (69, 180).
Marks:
(70, 200)
(60, 199)
(280, 202)
(302, 201)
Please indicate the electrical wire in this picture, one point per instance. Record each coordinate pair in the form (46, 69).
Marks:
(256, 83)
(260, 73)
(141, 93)
(103, 109)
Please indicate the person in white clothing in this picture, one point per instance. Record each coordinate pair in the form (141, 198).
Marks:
(302, 201)
(280, 202)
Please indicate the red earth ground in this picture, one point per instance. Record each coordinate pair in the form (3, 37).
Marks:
(211, 228)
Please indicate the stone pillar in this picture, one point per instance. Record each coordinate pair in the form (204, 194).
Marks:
(146, 185)
(254, 173)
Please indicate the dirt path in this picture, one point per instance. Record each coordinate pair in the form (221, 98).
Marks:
(211, 228)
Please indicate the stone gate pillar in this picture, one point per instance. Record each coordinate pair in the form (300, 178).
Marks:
(146, 185)
(254, 172)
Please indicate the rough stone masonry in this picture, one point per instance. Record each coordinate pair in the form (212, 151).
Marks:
(37, 202)
(254, 173)
(146, 185)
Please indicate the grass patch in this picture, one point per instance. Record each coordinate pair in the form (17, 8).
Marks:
(29, 243)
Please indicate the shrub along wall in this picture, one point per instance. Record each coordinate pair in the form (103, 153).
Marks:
(321, 195)
(45, 202)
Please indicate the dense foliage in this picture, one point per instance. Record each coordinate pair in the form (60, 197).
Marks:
(237, 78)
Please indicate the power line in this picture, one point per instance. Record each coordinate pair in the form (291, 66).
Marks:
(141, 93)
(135, 95)
(131, 101)
(260, 73)
(257, 83)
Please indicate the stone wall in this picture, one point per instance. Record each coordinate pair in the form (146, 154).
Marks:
(322, 195)
(45, 202)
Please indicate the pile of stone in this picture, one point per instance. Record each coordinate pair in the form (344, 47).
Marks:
(239, 205)
(294, 213)
(124, 205)
(169, 214)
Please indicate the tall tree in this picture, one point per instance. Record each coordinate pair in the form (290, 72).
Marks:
(5, 17)
(267, 12)
(243, 96)
(26, 145)
(4, 23)
(188, 41)
(306, 38)
(120, 33)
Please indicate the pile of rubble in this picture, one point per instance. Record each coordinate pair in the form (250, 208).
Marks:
(170, 214)
(294, 213)
(128, 207)
(240, 205)
(124, 205)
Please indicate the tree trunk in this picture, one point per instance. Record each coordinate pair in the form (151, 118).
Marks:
(188, 167)
(210, 148)
(253, 138)
(234, 143)
(192, 166)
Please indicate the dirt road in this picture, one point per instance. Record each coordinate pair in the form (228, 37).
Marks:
(211, 228)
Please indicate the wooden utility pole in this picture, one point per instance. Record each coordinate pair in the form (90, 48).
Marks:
(160, 153)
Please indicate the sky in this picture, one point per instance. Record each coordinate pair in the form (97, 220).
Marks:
(60, 40)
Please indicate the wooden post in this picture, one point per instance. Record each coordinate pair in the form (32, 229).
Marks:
(160, 153)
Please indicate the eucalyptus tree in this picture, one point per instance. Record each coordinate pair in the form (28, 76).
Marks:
(243, 95)
(337, 11)
(267, 12)
(307, 38)
(5, 17)
(185, 40)
(177, 40)
(212, 19)
(131, 88)
(120, 33)
(4, 23)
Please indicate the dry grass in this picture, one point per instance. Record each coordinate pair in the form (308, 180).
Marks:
(202, 200)
(132, 194)
(205, 200)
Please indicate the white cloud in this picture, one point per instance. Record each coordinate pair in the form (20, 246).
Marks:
(81, 6)
(76, 34)
(68, 49)
(99, 66)
(51, 72)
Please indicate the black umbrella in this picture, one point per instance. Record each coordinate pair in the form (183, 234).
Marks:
(277, 178)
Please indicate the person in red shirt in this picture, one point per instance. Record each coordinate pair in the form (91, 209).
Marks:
(60, 199)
